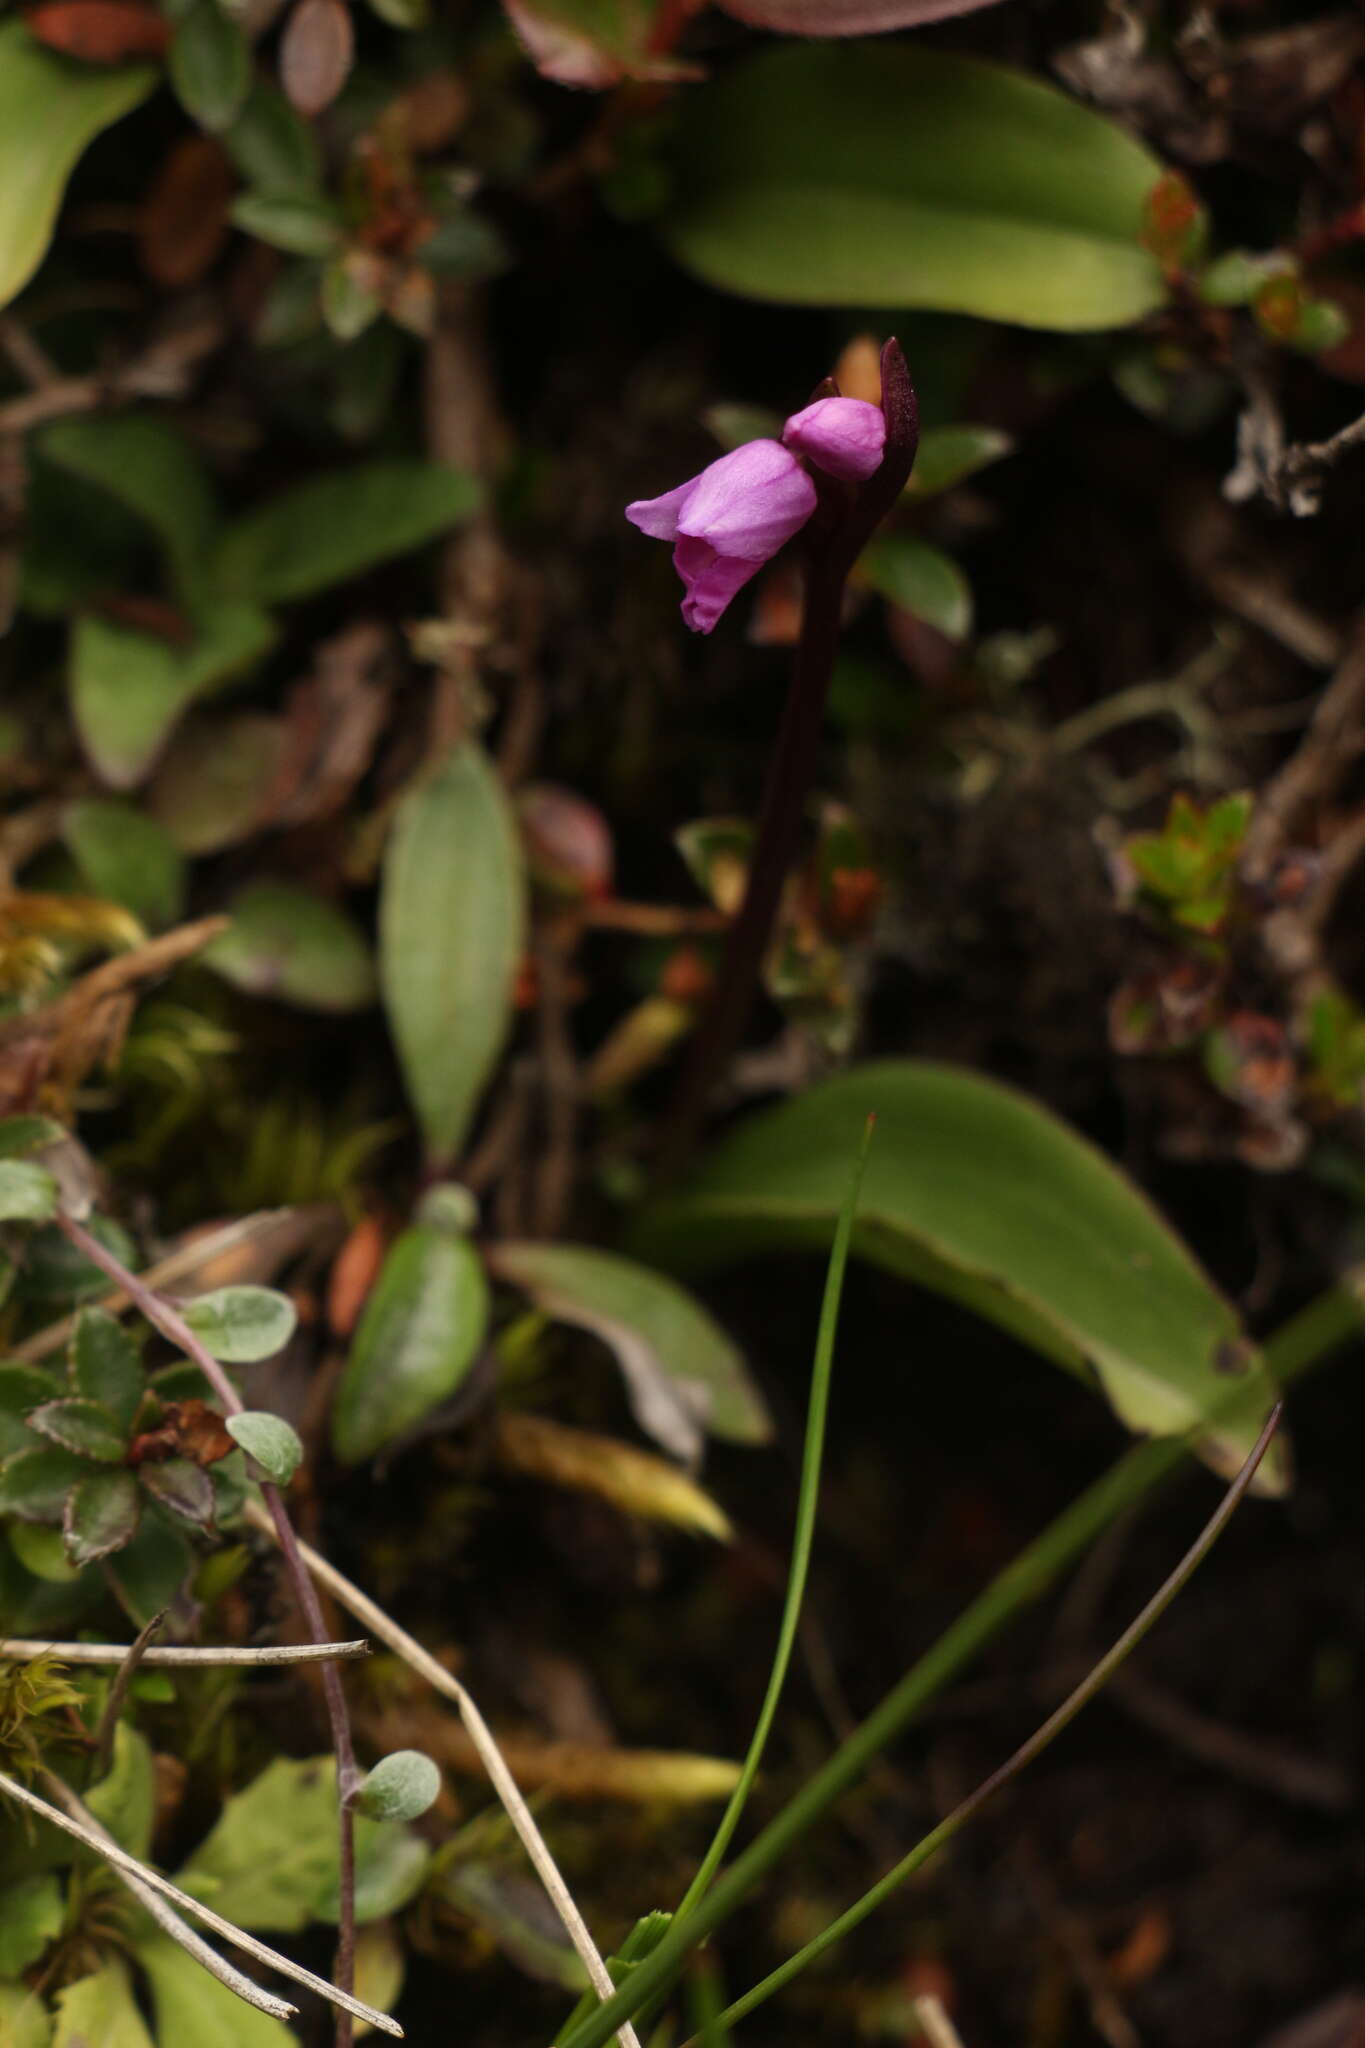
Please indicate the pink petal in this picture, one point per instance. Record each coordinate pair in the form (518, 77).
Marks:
(843, 436)
(712, 581)
(750, 502)
(658, 517)
(846, 17)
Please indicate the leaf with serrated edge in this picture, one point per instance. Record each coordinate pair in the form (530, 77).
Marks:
(84, 1427)
(101, 1515)
(106, 1365)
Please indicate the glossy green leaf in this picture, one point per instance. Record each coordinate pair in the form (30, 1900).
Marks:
(148, 465)
(30, 1917)
(336, 526)
(299, 948)
(300, 225)
(28, 1193)
(273, 147)
(100, 2011)
(420, 1332)
(892, 175)
(127, 858)
(684, 1375)
(920, 579)
(241, 1324)
(980, 1193)
(128, 688)
(452, 917)
(210, 65)
(101, 1515)
(400, 1787)
(193, 2008)
(270, 1440)
(80, 1426)
(949, 455)
(106, 1365)
(50, 110)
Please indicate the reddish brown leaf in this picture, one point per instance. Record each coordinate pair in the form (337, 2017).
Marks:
(99, 31)
(354, 1273)
(188, 1429)
(184, 219)
(315, 53)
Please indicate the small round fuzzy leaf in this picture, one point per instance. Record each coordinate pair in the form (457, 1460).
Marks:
(242, 1324)
(400, 1787)
(270, 1440)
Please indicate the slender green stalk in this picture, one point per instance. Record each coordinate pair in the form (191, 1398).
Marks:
(1318, 1329)
(812, 1457)
(1029, 1751)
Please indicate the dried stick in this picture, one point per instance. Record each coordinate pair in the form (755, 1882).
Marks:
(159, 1313)
(118, 1691)
(380, 1624)
(169, 1921)
(129, 1865)
(21, 1650)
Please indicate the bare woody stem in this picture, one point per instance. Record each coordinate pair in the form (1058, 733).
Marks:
(837, 541)
(160, 1314)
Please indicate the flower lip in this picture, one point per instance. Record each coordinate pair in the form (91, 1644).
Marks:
(843, 436)
(727, 522)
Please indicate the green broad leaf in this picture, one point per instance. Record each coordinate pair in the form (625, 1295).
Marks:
(981, 1194)
(21, 1134)
(334, 527)
(101, 1515)
(209, 784)
(192, 2007)
(83, 1427)
(34, 1484)
(124, 1800)
(242, 1324)
(42, 1551)
(127, 858)
(128, 688)
(106, 1365)
(28, 1193)
(949, 455)
(920, 579)
(298, 224)
(148, 465)
(22, 1389)
(287, 943)
(273, 147)
(400, 1787)
(270, 1440)
(31, 1915)
(100, 2011)
(270, 1862)
(421, 1330)
(452, 920)
(152, 1570)
(210, 65)
(897, 176)
(50, 111)
(24, 2020)
(183, 1488)
(684, 1375)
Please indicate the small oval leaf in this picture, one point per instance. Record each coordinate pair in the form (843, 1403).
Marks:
(316, 53)
(451, 923)
(400, 1787)
(422, 1329)
(299, 948)
(242, 1324)
(28, 1193)
(101, 1515)
(106, 1365)
(270, 1440)
(183, 1487)
(83, 1427)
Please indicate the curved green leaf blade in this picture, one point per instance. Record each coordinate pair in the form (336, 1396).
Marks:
(420, 1333)
(126, 857)
(333, 527)
(149, 466)
(452, 917)
(684, 1374)
(920, 579)
(908, 177)
(50, 110)
(299, 948)
(100, 2011)
(981, 1194)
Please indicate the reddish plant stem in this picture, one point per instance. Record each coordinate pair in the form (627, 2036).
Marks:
(841, 528)
(159, 1313)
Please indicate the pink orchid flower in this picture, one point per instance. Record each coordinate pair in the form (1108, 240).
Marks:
(742, 509)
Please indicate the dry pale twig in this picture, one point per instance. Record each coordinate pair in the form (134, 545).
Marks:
(124, 1863)
(170, 1922)
(177, 1656)
(504, 1784)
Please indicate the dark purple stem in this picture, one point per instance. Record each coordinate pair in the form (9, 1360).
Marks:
(841, 530)
(159, 1313)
